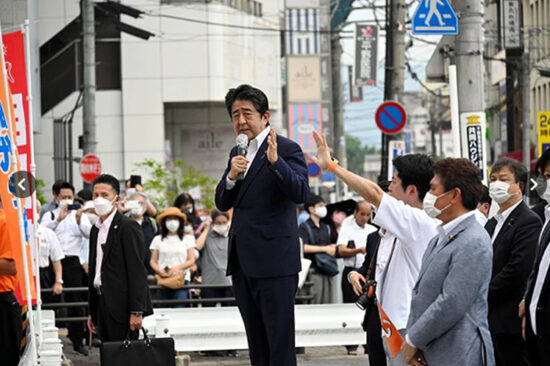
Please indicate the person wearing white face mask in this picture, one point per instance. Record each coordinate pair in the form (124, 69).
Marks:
(139, 203)
(172, 254)
(535, 308)
(514, 232)
(71, 226)
(118, 296)
(449, 299)
(317, 247)
(213, 246)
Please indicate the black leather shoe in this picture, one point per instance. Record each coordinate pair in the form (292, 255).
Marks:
(80, 348)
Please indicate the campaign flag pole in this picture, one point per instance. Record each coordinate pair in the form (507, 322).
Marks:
(8, 107)
(36, 214)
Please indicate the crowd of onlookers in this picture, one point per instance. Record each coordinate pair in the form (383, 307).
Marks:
(185, 245)
(181, 245)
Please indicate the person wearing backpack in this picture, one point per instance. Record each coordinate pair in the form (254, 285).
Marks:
(317, 247)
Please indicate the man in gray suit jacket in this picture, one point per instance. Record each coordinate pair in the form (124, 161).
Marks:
(448, 319)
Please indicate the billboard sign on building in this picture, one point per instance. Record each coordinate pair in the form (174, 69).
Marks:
(303, 119)
(302, 36)
(304, 79)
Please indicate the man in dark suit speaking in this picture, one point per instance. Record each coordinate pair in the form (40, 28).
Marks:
(263, 186)
(118, 294)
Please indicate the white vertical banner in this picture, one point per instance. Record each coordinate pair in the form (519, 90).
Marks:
(473, 127)
(395, 149)
(511, 24)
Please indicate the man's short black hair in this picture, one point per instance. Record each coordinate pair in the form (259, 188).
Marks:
(416, 170)
(312, 200)
(57, 186)
(108, 179)
(542, 162)
(460, 173)
(485, 197)
(66, 185)
(247, 92)
(518, 169)
(85, 194)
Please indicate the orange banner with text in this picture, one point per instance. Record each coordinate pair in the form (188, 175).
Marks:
(9, 201)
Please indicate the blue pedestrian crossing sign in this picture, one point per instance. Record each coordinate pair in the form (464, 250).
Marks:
(434, 17)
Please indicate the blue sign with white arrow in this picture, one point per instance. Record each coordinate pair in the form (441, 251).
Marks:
(434, 17)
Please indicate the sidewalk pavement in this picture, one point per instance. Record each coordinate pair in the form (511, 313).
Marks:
(314, 356)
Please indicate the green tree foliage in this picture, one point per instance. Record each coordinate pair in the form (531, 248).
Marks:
(355, 153)
(166, 183)
(40, 184)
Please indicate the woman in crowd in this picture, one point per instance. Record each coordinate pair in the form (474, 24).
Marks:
(213, 246)
(172, 254)
(186, 204)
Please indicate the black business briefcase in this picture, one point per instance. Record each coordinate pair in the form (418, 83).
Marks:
(140, 352)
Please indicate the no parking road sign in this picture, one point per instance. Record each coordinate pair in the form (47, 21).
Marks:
(391, 117)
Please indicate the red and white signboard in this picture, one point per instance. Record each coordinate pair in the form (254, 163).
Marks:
(90, 168)
(14, 53)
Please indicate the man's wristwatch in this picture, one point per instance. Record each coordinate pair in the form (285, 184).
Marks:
(137, 313)
(59, 281)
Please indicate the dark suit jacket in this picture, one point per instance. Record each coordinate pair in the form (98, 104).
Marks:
(264, 229)
(123, 275)
(543, 306)
(372, 241)
(539, 209)
(514, 251)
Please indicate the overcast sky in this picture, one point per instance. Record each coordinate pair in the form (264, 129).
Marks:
(359, 116)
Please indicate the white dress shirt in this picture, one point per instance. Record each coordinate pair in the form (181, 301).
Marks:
(350, 230)
(101, 239)
(48, 247)
(253, 147)
(68, 231)
(443, 230)
(480, 217)
(501, 218)
(541, 276)
(412, 229)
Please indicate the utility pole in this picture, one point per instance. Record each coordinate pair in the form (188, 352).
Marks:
(89, 87)
(526, 84)
(470, 67)
(399, 12)
(337, 98)
(395, 67)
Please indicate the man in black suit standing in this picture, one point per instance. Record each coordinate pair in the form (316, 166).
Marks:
(118, 294)
(514, 232)
(535, 309)
(264, 251)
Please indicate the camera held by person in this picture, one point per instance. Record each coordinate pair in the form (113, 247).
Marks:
(368, 297)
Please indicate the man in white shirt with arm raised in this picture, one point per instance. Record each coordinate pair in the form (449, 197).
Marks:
(407, 230)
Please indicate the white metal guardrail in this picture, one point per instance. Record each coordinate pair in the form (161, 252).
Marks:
(210, 329)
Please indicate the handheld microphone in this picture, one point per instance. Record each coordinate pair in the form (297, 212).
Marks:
(242, 149)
